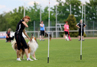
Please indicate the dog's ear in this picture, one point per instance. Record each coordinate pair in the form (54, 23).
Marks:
(35, 39)
(31, 36)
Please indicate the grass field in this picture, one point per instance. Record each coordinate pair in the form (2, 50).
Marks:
(62, 54)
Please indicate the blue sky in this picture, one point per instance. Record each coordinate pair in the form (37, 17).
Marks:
(9, 5)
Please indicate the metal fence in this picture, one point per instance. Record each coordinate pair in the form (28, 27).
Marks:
(89, 33)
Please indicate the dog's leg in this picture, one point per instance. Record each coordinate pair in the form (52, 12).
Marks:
(23, 55)
(33, 56)
(20, 53)
(29, 55)
(29, 50)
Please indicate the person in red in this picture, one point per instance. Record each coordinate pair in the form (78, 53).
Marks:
(66, 30)
(8, 38)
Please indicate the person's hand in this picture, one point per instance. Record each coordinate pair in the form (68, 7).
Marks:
(7, 37)
(78, 27)
(29, 39)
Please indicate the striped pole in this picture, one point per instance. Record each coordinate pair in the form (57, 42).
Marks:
(40, 13)
(48, 32)
(81, 35)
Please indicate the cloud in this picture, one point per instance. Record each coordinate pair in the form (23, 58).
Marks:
(56, 3)
(63, 0)
(2, 6)
(31, 3)
(83, 1)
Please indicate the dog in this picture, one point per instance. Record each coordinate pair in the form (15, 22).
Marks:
(46, 35)
(32, 47)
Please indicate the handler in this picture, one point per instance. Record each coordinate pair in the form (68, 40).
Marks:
(19, 37)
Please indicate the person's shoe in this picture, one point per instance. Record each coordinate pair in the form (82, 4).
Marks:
(6, 41)
(79, 40)
(29, 59)
(83, 40)
(42, 40)
(18, 59)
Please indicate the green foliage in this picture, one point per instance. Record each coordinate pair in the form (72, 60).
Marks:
(64, 9)
(84, 35)
(10, 19)
(72, 25)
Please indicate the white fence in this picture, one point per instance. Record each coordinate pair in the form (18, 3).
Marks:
(89, 33)
(3, 34)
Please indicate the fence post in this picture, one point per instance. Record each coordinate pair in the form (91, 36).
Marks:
(38, 34)
(93, 28)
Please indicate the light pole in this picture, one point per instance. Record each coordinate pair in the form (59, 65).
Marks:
(40, 13)
(70, 9)
(56, 21)
(24, 9)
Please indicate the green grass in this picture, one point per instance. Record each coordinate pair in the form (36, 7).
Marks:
(62, 54)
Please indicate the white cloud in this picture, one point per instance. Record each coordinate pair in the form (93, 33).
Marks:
(63, 0)
(2, 6)
(83, 1)
(56, 3)
(31, 3)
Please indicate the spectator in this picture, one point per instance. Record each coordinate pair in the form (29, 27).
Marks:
(8, 38)
(66, 30)
(42, 30)
(79, 25)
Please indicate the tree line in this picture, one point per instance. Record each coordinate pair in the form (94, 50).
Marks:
(10, 19)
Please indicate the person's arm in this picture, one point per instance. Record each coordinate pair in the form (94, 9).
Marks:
(41, 25)
(84, 25)
(7, 35)
(25, 24)
(77, 26)
(26, 34)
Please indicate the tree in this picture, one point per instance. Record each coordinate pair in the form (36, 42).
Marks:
(91, 13)
(72, 25)
(64, 9)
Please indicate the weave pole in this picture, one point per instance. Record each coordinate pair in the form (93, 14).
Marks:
(48, 33)
(24, 10)
(81, 35)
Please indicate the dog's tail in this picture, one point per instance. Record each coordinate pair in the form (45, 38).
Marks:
(13, 44)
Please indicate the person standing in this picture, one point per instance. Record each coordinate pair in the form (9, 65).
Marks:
(66, 30)
(42, 30)
(8, 38)
(19, 37)
(79, 25)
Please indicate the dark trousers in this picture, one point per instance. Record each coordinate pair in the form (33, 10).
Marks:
(10, 38)
(21, 43)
